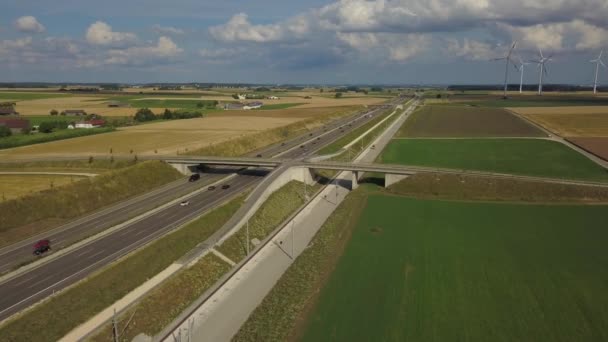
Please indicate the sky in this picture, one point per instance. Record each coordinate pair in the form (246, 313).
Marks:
(299, 42)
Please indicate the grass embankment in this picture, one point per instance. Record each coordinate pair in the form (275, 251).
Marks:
(354, 134)
(15, 186)
(38, 138)
(530, 157)
(469, 188)
(95, 165)
(62, 313)
(449, 270)
(276, 318)
(44, 210)
(271, 213)
(164, 304)
(468, 271)
(249, 143)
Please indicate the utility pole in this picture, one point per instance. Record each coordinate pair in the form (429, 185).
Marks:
(115, 327)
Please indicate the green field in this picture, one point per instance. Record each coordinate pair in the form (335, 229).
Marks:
(423, 270)
(183, 104)
(279, 106)
(38, 138)
(515, 156)
(20, 96)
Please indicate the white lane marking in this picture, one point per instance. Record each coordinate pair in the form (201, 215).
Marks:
(39, 281)
(86, 251)
(96, 254)
(24, 281)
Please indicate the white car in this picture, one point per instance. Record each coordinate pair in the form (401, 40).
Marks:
(184, 203)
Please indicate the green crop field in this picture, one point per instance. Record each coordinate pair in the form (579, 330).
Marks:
(459, 121)
(532, 157)
(21, 96)
(425, 270)
(184, 104)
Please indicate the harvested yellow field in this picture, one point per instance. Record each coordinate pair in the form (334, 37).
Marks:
(589, 121)
(91, 104)
(170, 137)
(15, 186)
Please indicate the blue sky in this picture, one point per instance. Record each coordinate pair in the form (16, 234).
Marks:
(314, 41)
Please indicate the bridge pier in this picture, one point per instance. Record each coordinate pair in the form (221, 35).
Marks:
(390, 179)
(355, 180)
(184, 169)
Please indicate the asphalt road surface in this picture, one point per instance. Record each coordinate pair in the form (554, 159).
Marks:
(30, 287)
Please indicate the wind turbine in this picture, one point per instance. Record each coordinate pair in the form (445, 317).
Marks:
(522, 64)
(507, 59)
(542, 70)
(597, 62)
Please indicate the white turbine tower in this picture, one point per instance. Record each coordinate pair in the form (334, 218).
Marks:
(522, 64)
(597, 62)
(508, 60)
(542, 69)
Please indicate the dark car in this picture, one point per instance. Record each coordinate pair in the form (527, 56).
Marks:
(42, 247)
(225, 186)
(194, 177)
(211, 188)
(301, 146)
(259, 156)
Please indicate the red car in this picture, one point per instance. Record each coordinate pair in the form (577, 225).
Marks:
(42, 247)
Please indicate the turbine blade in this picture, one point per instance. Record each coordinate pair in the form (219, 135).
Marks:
(540, 52)
(602, 63)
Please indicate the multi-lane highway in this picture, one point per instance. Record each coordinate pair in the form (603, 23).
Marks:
(29, 287)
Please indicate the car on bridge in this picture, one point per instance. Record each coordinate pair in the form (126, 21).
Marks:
(42, 247)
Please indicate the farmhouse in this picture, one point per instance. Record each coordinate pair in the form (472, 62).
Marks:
(16, 125)
(253, 105)
(273, 98)
(233, 106)
(90, 124)
(74, 112)
(8, 110)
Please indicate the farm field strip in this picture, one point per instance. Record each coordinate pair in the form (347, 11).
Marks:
(461, 270)
(455, 121)
(533, 157)
(594, 145)
(15, 186)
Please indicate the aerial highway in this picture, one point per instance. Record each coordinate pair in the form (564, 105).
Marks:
(33, 285)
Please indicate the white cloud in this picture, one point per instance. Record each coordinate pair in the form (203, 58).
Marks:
(238, 28)
(29, 24)
(140, 55)
(408, 47)
(358, 41)
(100, 33)
(167, 30)
(470, 49)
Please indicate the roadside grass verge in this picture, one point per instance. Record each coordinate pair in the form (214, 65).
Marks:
(271, 213)
(95, 165)
(532, 157)
(278, 316)
(164, 304)
(39, 212)
(61, 313)
(15, 186)
(38, 138)
(249, 143)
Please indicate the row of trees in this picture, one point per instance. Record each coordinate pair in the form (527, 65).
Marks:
(145, 114)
